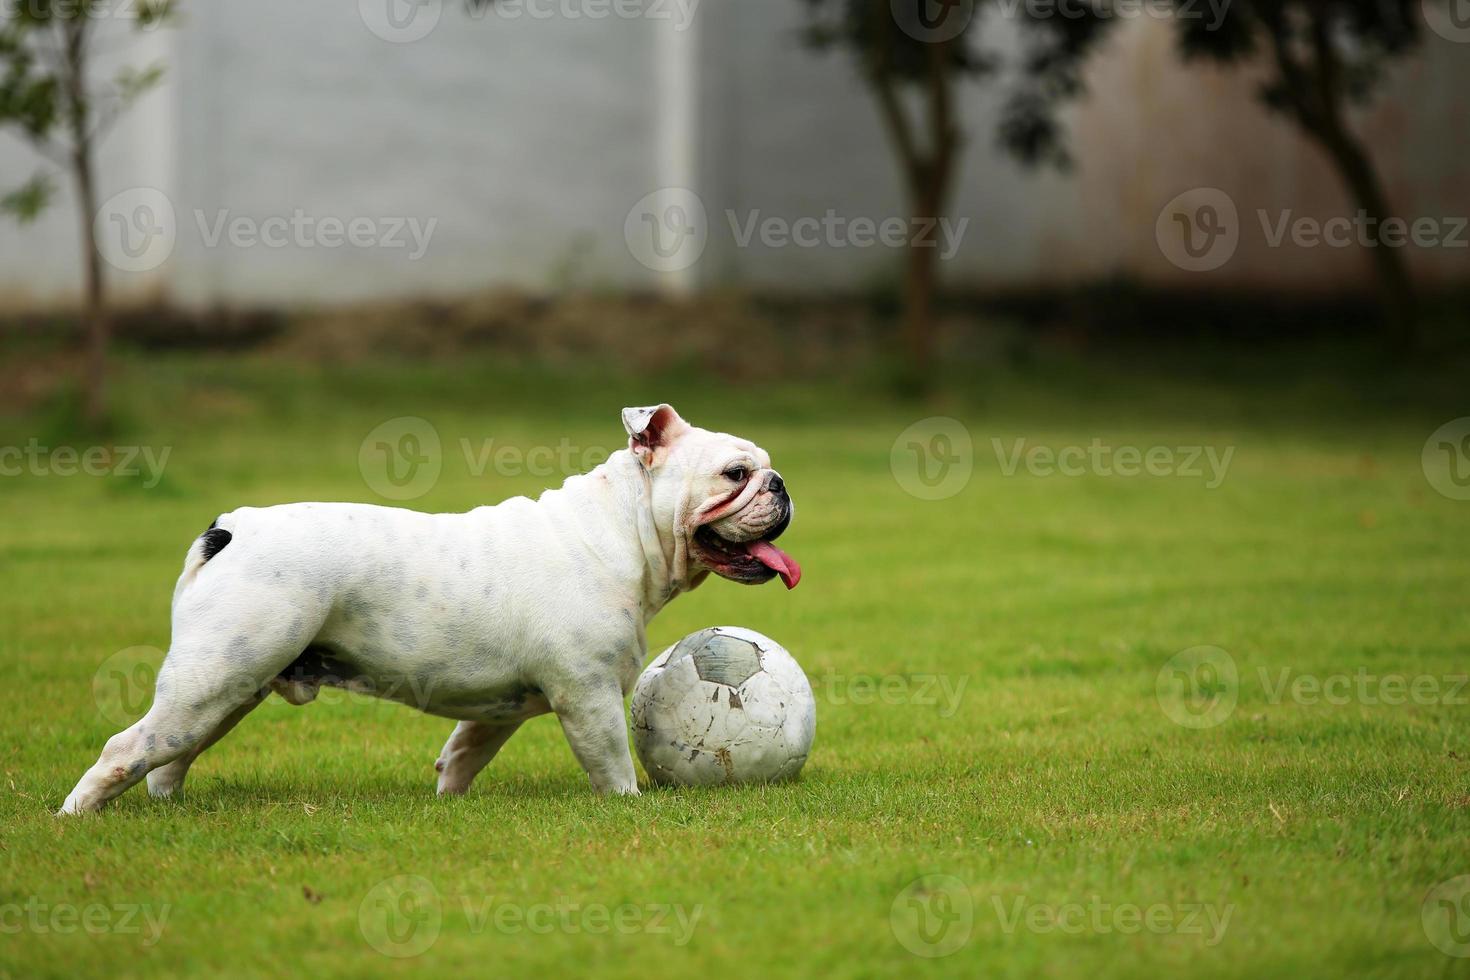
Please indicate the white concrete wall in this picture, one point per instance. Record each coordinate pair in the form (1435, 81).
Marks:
(527, 139)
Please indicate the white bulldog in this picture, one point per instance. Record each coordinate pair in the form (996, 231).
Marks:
(489, 617)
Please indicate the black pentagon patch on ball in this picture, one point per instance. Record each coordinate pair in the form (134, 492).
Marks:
(727, 660)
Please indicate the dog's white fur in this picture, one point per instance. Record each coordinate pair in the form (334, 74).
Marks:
(489, 617)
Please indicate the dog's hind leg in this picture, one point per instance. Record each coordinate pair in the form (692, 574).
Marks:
(168, 778)
(185, 711)
(214, 673)
(470, 749)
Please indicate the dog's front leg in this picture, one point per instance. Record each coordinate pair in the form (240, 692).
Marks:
(592, 717)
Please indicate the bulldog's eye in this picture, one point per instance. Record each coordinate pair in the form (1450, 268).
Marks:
(737, 474)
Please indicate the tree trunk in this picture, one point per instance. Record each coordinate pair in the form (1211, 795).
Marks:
(1320, 106)
(1395, 285)
(94, 307)
(920, 279)
(77, 31)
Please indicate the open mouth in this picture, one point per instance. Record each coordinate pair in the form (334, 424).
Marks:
(750, 562)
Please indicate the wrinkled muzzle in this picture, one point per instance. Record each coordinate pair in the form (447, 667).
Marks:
(733, 537)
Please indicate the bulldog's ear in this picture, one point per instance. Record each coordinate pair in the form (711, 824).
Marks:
(652, 428)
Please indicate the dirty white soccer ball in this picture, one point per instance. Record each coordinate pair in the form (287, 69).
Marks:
(723, 705)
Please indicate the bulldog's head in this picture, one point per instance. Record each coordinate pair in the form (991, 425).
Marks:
(718, 495)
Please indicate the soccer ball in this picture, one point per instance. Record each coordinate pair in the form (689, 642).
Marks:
(724, 705)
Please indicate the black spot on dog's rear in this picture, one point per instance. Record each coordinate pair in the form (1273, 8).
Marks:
(215, 539)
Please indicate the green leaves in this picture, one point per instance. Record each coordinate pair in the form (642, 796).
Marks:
(133, 82)
(26, 202)
(28, 100)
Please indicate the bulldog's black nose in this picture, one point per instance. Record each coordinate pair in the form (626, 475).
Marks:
(776, 485)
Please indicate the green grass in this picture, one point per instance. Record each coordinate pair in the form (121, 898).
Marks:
(1055, 783)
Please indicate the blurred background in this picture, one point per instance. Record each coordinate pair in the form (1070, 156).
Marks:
(773, 186)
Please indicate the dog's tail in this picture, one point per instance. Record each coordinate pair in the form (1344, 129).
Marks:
(206, 546)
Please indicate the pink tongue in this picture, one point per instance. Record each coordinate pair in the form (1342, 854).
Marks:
(777, 560)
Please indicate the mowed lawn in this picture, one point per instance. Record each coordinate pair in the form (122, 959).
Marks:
(993, 674)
